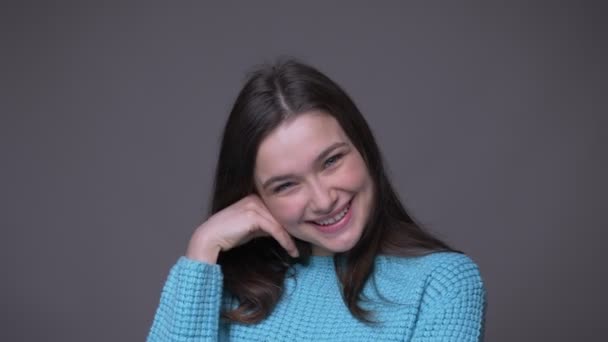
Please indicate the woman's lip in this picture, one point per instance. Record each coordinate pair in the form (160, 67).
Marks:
(336, 212)
(336, 226)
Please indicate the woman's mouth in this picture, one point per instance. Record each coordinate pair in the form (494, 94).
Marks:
(336, 222)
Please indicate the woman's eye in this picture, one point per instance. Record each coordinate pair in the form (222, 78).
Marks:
(332, 160)
(282, 187)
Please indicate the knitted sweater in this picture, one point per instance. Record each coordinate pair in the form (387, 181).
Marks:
(437, 297)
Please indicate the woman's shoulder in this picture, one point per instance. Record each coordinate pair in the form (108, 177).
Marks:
(443, 269)
(430, 260)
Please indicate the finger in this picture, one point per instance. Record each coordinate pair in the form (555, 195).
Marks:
(263, 211)
(274, 229)
(256, 204)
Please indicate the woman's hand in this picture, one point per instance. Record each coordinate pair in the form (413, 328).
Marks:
(236, 225)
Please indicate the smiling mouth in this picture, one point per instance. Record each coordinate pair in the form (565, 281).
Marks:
(336, 218)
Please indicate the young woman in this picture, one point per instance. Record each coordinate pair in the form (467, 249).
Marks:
(307, 239)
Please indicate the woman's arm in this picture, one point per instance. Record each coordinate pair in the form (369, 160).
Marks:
(189, 308)
(190, 303)
(453, 305)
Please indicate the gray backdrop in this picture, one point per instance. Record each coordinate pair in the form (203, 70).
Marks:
(491, 118)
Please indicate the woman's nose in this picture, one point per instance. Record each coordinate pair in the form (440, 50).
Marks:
(323, 199)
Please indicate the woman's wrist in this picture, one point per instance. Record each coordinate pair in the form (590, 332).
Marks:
(203, 250)
(206, 256)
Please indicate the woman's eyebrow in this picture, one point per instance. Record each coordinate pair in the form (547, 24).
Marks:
(319, 158)
(329, 150)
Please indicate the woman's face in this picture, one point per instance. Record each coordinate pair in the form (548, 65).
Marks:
(314, 182)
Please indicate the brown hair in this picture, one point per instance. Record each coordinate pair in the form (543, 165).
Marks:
(254, 273)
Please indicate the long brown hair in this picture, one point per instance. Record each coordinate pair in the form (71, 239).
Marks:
(254, 273)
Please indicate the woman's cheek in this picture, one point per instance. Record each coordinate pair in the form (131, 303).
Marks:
(354, 173)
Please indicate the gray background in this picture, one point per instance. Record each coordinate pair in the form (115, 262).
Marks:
(492, 119)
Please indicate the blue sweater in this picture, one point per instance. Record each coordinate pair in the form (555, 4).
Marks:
(437, 297)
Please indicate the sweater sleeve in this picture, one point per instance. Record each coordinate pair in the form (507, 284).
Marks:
(453, 304)
(189, 307)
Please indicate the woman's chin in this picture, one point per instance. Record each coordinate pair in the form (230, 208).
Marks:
(340, 246)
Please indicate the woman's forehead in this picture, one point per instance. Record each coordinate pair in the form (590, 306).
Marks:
(297, 142)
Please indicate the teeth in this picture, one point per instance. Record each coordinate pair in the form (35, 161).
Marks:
(334, 219)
